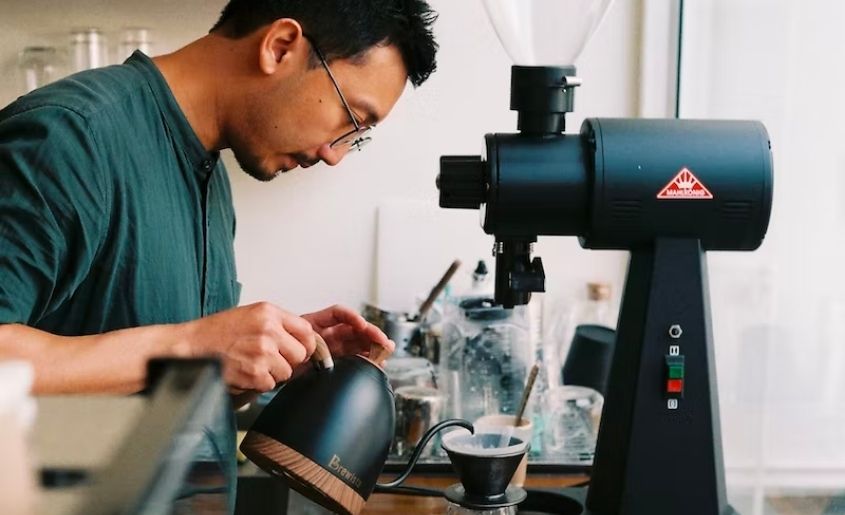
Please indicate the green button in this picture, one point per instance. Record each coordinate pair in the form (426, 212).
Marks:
(676, 372)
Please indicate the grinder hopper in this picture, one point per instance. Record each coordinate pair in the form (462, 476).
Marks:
(545, 32)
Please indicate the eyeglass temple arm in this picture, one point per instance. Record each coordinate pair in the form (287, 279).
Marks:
(336, 86)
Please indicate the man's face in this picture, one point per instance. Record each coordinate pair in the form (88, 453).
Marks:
(297, 116)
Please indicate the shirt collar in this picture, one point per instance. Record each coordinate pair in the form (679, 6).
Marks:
(183, 134)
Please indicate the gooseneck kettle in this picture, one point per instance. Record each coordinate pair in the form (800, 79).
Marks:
(327, 432)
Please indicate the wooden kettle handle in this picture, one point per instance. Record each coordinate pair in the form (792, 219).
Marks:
(378, 354)
(322, 357)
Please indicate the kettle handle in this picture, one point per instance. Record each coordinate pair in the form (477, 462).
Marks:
(378, 354)
(382, 487)
(322, 357)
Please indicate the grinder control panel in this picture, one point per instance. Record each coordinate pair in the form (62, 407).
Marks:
(674, 377)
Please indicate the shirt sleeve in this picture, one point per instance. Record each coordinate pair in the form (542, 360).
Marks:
(53, 210)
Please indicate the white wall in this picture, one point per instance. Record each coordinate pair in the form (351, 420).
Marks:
(309, 238)
(779, 312)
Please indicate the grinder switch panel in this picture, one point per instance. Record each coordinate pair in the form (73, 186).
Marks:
(674, 377)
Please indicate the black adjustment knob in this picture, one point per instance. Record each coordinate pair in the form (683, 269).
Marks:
(461, 182)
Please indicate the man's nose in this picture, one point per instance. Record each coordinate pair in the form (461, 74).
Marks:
(331, 156)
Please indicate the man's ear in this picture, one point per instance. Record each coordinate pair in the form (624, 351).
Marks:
(283, 42)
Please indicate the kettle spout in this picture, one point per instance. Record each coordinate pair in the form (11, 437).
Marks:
(386, 487)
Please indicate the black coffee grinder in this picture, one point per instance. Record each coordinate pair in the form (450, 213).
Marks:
(667, 191)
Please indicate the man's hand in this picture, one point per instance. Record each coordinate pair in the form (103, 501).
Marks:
(260, 345)
(346, 332)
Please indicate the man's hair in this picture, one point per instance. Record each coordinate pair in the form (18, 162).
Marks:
(346, 28)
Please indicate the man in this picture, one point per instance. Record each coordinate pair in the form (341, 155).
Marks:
(116, 222)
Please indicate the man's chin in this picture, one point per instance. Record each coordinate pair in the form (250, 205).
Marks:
(263, 176)
(254, 169)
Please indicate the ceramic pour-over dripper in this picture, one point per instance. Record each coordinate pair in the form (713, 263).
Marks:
(485, 463)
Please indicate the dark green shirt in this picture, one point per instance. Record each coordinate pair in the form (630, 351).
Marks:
(112, 213)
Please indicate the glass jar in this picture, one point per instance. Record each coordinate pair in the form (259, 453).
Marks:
(131, 39)
(485, 358)
(39, 66)
(402, 371)
(88, 49)
(571, 421)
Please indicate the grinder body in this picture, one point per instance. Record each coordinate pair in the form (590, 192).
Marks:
(604, 184)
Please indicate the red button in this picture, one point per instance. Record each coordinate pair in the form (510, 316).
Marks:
(675, 385)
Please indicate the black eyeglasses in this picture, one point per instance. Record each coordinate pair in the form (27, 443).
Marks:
(358, 137)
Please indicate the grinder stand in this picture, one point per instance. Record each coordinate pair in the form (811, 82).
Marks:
(659, 448)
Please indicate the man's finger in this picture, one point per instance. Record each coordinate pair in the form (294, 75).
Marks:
(341, 333)
(370, 334)
(376, 335)
(279, 367)
(292, 350)
(301, 330)
(335, 315)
